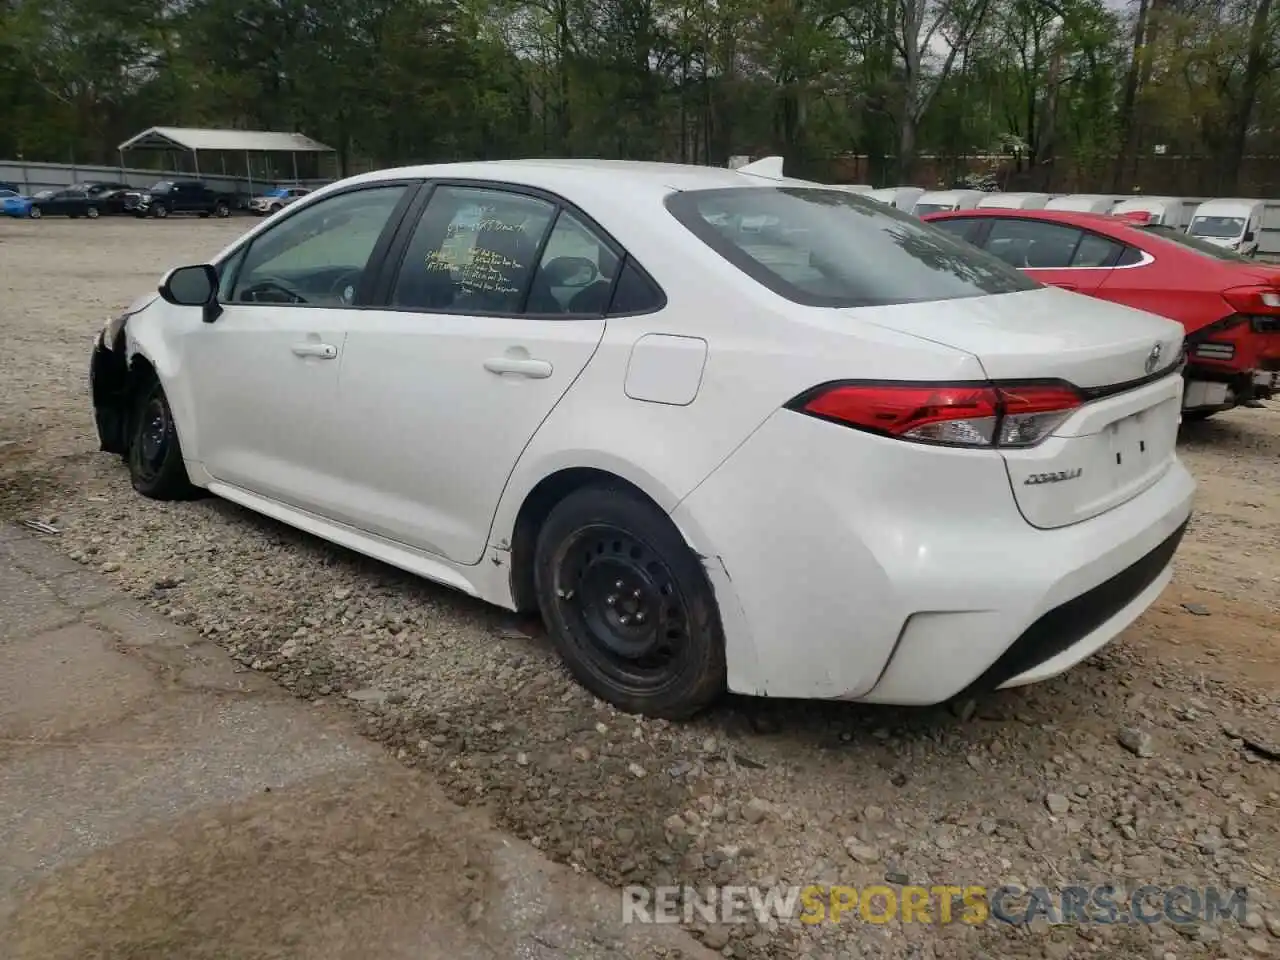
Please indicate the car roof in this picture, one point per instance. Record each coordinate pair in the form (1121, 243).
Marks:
(570, 176)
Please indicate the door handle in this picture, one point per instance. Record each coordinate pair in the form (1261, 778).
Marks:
(325, 351)
(531, 368)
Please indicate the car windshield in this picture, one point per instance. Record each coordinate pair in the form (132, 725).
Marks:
(921, 209)
(278, 192)
(1224, 227)
(1211, 250)
(161, 186)
(43, 195)
(829, 248)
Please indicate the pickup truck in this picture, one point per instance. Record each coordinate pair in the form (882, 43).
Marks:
(183, 196)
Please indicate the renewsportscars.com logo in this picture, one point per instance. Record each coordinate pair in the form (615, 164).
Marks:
(939, 904)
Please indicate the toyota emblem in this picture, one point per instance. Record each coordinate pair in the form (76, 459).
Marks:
(1153, 359)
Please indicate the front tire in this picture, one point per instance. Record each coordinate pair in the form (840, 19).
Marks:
(35, 213)
(221, 210)
(155, 456)
(628, 605)
(92, 213)
(161, 211)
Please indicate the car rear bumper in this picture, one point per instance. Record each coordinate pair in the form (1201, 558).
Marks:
(856, 567)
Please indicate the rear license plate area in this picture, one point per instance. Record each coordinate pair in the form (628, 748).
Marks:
(1140, 443)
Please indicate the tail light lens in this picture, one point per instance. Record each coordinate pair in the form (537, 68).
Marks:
(954, 415)
(1258, 299)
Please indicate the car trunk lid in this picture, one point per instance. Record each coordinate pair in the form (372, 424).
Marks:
(1124, 362)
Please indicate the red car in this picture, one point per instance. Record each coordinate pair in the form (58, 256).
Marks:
(1229, 306)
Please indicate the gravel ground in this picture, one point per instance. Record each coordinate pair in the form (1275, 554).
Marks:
(1136, 766)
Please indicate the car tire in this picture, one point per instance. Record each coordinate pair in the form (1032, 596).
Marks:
(1195, 416)
(35, 213)
(161, 211)
(653, 645)
(92, 213)
(155, 455)
(221, 210)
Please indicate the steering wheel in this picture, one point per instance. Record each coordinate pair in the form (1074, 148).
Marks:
(250, 293)
(344, 287)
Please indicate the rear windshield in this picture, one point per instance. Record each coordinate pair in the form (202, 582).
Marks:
(829, 248)
(1199, 246)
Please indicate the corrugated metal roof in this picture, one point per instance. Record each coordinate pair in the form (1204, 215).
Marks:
(195, 138)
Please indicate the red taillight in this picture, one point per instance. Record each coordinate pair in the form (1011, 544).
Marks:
(1260, 298)
(957, 415)
(1135, 216)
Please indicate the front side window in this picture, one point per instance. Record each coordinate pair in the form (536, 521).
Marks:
(1224, 228)
(961, 227)
(474, 251)
(318, 256)
(1032, 244)
(830, 248)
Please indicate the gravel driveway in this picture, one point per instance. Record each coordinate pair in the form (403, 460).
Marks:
(1136, 766)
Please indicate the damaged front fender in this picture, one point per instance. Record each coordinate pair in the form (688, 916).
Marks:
(109, 385)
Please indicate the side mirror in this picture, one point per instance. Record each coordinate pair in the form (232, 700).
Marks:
(1248, 236)
(195, 286)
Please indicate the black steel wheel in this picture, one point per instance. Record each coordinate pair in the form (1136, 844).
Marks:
(155, 456)
(628, 604)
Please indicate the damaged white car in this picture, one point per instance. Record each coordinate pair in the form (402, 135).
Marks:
(722, 429)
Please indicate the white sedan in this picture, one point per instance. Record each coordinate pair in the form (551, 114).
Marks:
(724, 431)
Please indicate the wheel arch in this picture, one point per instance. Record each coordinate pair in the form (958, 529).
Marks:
(533, 511)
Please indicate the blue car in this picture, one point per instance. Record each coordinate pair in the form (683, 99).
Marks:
(20, 206)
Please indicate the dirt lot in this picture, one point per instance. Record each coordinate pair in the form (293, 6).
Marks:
(1035, 787)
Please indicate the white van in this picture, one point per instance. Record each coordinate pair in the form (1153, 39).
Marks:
(1171, 211)
(902, 198)
(1083, 203)
(1234, 224)
(944, 201)
(1014, 201)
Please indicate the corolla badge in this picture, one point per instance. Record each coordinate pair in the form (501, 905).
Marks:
(1153, 359)
(1058, 476)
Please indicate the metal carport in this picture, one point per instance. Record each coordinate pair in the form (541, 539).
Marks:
(218, 145)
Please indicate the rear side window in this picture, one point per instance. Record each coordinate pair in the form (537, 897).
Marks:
(1095, 251)
(962, 227)
(1131, 256)
(829, 248)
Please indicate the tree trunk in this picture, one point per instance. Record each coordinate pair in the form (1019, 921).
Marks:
(1254, 72)
(1128, 103)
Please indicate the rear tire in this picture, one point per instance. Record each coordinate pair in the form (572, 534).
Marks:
(92, 213)
(221, 210)
(161, 211)
(628, 605)
(35, 213)
(155, 455)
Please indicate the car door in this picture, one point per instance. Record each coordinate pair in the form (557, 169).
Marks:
(483, 332)
(61, 203)
(263, 374)
(1053, 253)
